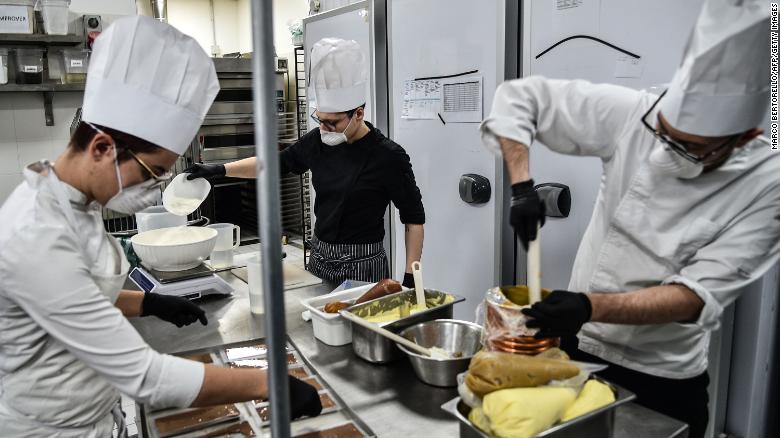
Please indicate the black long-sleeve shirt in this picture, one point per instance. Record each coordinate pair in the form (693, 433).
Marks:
(354, 183)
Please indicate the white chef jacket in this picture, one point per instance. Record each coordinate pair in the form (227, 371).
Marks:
(65, 349)
(714, 234)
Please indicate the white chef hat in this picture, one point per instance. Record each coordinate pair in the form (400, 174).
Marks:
(722, 85)
(338, 75)
(149, 80)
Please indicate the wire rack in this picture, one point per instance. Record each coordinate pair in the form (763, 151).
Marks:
(304, 180)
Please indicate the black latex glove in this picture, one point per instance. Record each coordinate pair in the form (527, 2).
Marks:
(304, 400)
(562, 313)
(176, 310)
(527, 210)
(408, 280)
(207, 171)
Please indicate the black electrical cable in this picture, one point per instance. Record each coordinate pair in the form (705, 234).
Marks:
(587, 37)
(447, 76)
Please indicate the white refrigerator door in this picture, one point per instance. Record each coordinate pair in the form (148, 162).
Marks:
(437, 38)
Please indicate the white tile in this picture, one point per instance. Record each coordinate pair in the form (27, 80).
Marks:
(56, 148)
(7, 130)
(32, 151)
(7, 185)
(9, 157)
(64, 108)
(29, 118)
(132, 430)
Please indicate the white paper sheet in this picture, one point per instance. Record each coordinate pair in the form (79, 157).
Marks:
(462, 99)
(422, 99)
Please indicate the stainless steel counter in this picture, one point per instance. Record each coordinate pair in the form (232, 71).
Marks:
(389, 398)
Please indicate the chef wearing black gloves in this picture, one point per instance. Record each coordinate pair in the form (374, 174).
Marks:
(356, 173)
(686, 216)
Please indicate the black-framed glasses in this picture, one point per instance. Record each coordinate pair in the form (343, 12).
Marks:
(331, 125)
(680, 147)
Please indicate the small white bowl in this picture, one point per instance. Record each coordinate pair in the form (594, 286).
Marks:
(182, 196)
(174, 248)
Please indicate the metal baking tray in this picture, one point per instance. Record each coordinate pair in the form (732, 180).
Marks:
(339, 414)
(599, 423)
(375, 348)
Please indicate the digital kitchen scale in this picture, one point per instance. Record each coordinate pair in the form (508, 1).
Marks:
(191, 283)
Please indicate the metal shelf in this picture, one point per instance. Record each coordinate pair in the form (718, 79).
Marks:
(14, 39)
(48, 91)
(11, 88)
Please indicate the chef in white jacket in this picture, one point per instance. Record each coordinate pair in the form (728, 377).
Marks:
(66, 347)
(687, 214)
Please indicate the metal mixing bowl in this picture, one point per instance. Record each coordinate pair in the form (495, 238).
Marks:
(450, 334)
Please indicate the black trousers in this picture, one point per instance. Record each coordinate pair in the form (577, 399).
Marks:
(682, 399)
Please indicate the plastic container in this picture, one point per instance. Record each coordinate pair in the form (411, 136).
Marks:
(55, 16)
(76, 64)
(255, 284)
(183, 196)
(3, 66)
(331, 328)
(29, 66)
(19, 16)
(155, 217)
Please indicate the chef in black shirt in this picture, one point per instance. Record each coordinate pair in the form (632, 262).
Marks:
(356, 172)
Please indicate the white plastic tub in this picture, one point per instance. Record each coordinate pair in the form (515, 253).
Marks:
(18, 15)
(55, 16)
(331, 328)
(3, 66)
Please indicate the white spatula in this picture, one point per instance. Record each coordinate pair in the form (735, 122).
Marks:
(533, 269)
(386, 333)
(418, 285)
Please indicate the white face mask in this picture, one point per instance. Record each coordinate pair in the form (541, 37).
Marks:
(668, 162)
(335, 138)
(130, 200)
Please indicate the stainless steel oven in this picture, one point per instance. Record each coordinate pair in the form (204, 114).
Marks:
(227, 134)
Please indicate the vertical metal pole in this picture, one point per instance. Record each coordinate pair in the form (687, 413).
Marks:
(269, 220)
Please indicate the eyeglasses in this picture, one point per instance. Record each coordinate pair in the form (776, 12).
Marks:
(331, 125)
(148, 173)
(680, 147)
(146, 170)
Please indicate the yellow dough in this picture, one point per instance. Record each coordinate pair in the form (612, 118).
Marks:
(478, 419)
(525, 412)
(492, 371)
(593, 396)
(395, 313)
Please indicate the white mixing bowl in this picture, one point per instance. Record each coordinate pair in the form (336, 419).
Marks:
(174, 248)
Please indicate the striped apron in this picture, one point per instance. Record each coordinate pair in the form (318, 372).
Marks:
(342, 261)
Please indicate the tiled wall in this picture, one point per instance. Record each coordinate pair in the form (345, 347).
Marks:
(24, 136)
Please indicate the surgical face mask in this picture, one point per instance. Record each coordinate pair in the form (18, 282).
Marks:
(335, 138)
(670, 163)
(130, 200)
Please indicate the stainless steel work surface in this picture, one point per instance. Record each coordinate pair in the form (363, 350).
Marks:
(389, 398)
